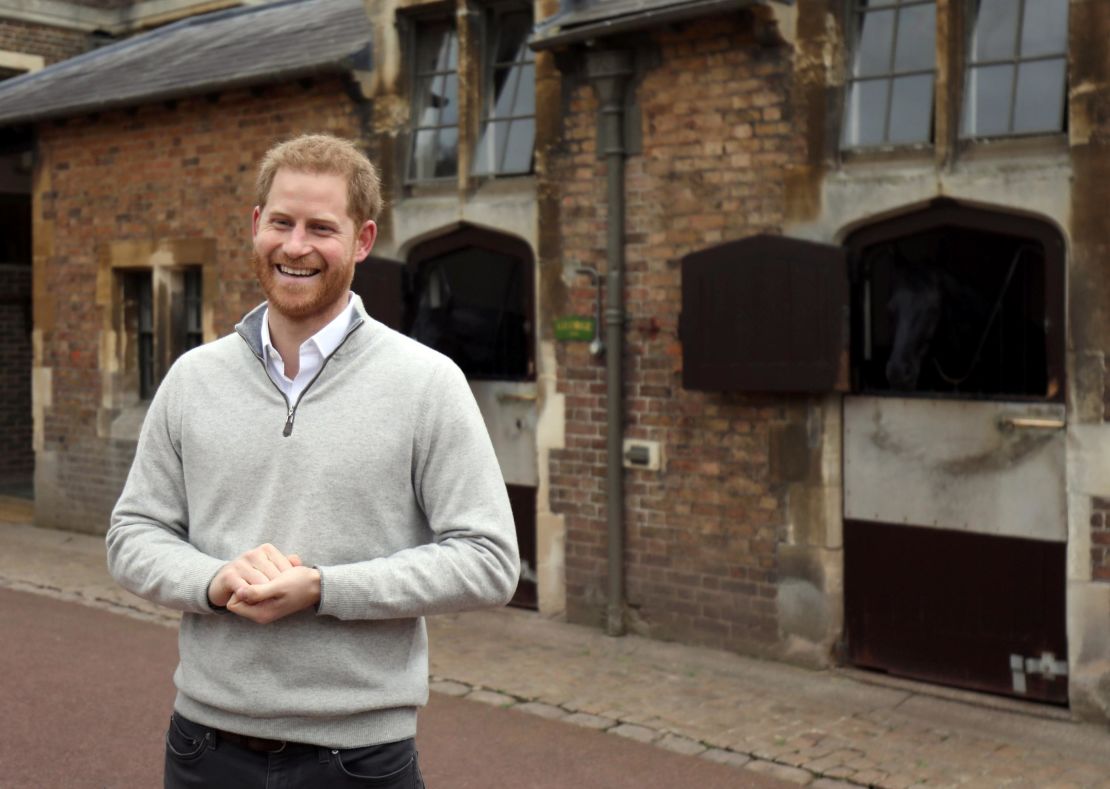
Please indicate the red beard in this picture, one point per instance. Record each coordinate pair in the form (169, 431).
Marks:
(302, 300)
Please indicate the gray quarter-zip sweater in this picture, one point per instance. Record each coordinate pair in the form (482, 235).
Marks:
(382, 475)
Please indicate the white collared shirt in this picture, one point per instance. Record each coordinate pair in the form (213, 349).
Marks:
(313, 352)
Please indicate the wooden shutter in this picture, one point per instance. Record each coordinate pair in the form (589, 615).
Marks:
(381, 284)
(765, 314)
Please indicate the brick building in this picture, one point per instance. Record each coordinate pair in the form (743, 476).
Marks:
(804, 472)
(35, 34)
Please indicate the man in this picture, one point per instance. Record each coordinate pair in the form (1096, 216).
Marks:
(305, 490)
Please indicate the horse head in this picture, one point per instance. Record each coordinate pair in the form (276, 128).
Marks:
(914, 306)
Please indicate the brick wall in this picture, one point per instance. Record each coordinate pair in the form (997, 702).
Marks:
(176, 171)
(702, 534)
(16, 456)
(52, 43)
(1100, 539)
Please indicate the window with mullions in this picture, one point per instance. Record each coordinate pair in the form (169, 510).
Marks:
(1017, 68)
(889, 96)
(435, 104)
(154, 338)
(508, 128)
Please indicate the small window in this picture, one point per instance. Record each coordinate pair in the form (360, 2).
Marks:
(435, 103)
(508, 127)
(138, 327)
(153, 340)
(889, 95)
(1017, 68)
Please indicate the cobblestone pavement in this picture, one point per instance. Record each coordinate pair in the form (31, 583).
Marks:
(823, 729)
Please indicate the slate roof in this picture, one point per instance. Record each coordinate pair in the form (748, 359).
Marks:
(227, 49)
(581, 20)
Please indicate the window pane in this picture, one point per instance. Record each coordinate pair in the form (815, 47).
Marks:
(995, 30)
(911, 109)
(518, 152)
(873, 44)
(505, 80)
(435, 48)
(987, 104)
(423, 155)
(512, 34)
(917, 28)
(146, 303)
(1040, 97)
(491, 147)
(1044, 30)
(526, 92)
(449, 101)
(193, 334)
(447, 153)
(448, 58)
(435, 102)
(865, 118)
(426, 104)
(484, 151)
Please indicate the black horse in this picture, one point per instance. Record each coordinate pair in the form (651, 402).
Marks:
(961, 330)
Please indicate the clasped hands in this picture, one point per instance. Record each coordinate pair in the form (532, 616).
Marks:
(264, 585)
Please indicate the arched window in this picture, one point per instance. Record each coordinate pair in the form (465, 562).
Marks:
(955, 301)
(471, 299)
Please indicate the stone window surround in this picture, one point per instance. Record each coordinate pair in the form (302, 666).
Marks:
(471, 28)
(121, 411)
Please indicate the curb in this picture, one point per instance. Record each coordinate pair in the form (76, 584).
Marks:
(660, 738)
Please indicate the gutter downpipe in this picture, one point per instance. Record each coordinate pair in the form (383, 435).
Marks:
(610, 71)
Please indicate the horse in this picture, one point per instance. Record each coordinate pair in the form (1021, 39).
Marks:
(937, 320)
(950, 335)
(914, 308)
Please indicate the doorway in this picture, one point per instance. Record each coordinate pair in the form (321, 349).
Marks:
(954, 481)
(17, 459)
(468, 293)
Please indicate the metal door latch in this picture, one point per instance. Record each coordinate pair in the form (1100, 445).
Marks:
(1046, 665)
(1008, 423)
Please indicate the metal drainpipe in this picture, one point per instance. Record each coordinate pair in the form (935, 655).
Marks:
(610, 71)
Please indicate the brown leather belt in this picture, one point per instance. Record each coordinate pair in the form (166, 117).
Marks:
(259, 744)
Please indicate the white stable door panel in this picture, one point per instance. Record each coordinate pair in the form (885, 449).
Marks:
(975, 466)
(509, 410)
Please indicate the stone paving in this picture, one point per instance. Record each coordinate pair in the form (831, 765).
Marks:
(823, 729)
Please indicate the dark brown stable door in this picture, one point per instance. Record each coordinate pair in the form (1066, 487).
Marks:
(977, 611)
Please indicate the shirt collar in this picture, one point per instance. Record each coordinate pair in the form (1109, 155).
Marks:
(326, 340)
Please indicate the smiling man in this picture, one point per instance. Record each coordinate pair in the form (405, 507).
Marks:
(305, 490)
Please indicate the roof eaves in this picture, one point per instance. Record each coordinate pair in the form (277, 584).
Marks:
(562, 30)
(329, 64)
(342, 65)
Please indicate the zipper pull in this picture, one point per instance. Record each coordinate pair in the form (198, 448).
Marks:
(289, 423)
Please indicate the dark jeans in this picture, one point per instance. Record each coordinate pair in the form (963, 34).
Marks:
(196, 756)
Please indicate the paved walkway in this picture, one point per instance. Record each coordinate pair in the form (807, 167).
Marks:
(822, 729)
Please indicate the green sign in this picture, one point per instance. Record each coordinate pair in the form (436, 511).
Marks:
(575, 328)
